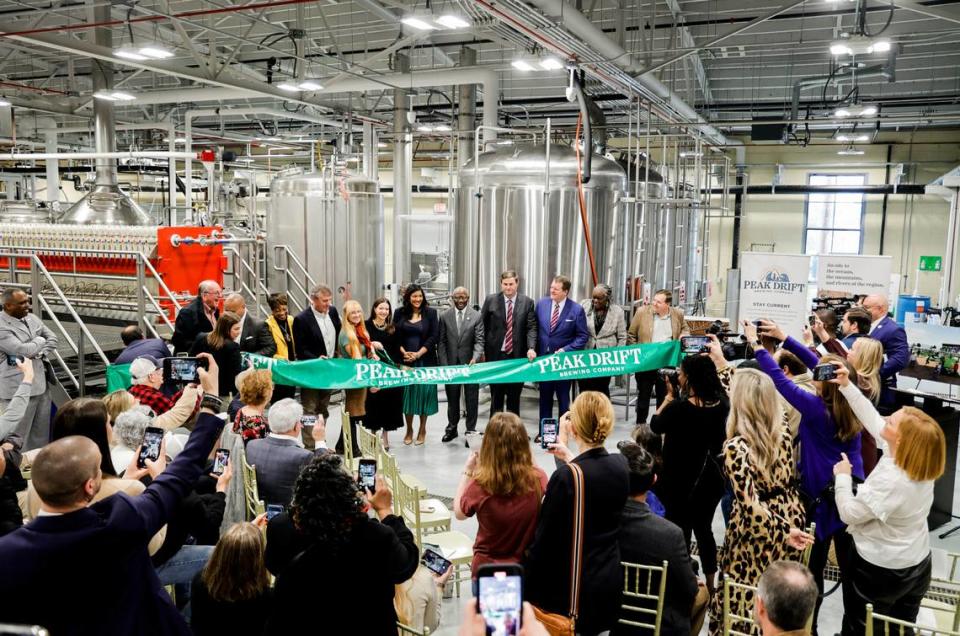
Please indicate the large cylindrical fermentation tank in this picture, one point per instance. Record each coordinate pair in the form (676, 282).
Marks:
(334, 226)
(516, 224)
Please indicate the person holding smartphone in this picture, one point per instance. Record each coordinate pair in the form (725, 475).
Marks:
(503, 487)
(418, 600)
(828, 430)
(369, 556)
(606, 480)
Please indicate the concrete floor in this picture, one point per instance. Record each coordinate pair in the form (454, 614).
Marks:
(439, 466)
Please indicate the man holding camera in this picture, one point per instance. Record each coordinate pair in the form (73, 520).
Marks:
(657, 322)
(24, 336)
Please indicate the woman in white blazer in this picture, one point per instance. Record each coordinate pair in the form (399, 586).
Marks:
(607, 326)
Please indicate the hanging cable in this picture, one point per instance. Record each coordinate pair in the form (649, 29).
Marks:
(886, 25)
(583, 202)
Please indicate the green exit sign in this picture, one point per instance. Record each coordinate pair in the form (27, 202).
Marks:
(930, 263)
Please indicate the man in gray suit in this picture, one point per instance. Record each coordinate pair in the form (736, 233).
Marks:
(24, 335)
(461, 342)
(279, 456)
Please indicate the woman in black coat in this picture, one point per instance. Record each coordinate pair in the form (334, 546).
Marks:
(606, 481)
(351, 563)
(384, 406)
(418, 328)
(221, 344)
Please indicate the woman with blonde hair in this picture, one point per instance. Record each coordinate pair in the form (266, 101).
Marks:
(221, 343)
(232, 594)
(117, 402)
(758, 461)
(418, 599)
(606, 484)
(887, 516)
(503, 487)
(354, 343)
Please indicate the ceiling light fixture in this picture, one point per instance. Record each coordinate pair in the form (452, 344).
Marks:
(310, 86)
(859, 45)
(129, 54)
(551, 64)
(114, 96)
(856, 138)
(451, 21)
(419, 23)
(287, 86)
(4, 102)
(850, 151)
(441, 128)
(855, 110)
(155, 52)
(424, 128)
(522, 65)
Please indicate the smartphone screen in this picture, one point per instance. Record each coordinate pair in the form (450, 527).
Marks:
(150, 448)
(499, 597)
(308, 420)
(182, 370)
(13, 360)
(548, 431)
(435, 562)
(273, 510)
(220, 461)
(824, 372)
(694, 344)
(368, 474)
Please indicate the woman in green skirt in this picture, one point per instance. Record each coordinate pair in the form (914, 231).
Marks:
(418, 328)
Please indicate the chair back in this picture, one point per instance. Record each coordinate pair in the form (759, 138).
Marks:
(251, 496)
(347, 438)
(644, 588)
(943, 599)
(406, 630)
(368, 442)
(407, 499)
(738, 608)
(388, 467)
(878, 624)
(805, 555)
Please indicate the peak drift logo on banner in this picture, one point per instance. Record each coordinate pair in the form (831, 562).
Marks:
(774, 280)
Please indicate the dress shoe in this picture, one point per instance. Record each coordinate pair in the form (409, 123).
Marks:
(448, 436)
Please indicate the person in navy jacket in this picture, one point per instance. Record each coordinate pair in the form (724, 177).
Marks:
(892, 336)
(84, 569)
(562, 327)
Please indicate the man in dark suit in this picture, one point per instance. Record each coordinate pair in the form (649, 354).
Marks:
(200, 316)
(254, 335)
(279, 456)
(892, 336)
(75, 550)
(563, 327)
(509, 331)
(136, 345)
(647, 539)
(461, 342)
(315, 333)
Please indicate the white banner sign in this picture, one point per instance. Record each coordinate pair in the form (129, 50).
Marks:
(774, 287)
(853, 274)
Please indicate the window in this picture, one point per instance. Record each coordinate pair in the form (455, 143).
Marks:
(834, 222)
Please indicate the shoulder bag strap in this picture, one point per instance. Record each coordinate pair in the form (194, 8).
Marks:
(576, 564)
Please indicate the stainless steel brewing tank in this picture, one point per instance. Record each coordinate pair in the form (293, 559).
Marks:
(513, 225)
(334, 226)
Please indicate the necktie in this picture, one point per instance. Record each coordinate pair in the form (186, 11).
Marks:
(459, 320)
(508, 337)
(555, 317)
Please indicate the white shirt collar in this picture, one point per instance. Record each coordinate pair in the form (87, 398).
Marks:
(240, 335)
(47, 513)
(297, 440)
(560, 303)
(873, 325)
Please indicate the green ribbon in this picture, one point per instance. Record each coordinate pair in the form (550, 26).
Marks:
(344, 373)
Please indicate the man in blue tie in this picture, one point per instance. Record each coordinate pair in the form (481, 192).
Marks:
(562, 327)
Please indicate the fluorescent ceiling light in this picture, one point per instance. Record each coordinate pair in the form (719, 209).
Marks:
(551, 64)
(850, 152)
(522, 65)
(418, 23)
(310, 86)
(123, 97)
(859, 45)
(859, 138)
(155, 52)
(287, 86)
(452, 22)
(441, 128)
(129, 54)
(841, 112)
(868, 111)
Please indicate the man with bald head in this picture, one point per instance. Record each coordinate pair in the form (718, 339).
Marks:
(461, 342)
(200, 316)
(254, 335)
(896, 349)
(84, 568)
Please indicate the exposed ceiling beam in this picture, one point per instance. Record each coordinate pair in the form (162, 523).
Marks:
(928, 10)
(687, 41)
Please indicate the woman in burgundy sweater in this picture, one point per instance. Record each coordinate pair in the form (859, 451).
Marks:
(503, 488)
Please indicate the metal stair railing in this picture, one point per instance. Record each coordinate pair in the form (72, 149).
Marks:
(289, 256)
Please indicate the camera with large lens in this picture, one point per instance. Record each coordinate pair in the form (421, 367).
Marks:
(733, 345)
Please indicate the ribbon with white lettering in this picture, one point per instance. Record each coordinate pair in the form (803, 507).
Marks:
(343, 373)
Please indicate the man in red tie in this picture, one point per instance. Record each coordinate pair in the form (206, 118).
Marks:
(510, 331)
(563, 327)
